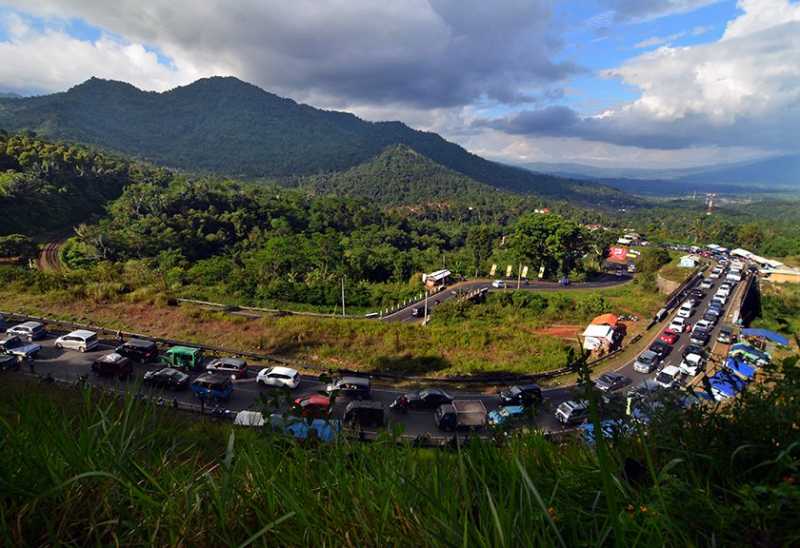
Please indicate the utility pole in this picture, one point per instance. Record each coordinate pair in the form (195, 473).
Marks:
(519, 275)
(425, 315)
(343, 309)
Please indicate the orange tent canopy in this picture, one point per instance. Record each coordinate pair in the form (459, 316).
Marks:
(606, 319)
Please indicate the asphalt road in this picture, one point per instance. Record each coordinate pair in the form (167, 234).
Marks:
(70, 366)
(406, 314)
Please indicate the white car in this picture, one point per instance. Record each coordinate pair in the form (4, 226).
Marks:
(692, 364)
(279, 376)
(686, 310)
(668, 377)
(498, 284)
(707, 283)
(705, 325)
(678, 325)
(714, 275)
(80, 340)
(720, 296)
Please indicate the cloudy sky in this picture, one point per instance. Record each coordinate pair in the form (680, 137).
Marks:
(644, 83)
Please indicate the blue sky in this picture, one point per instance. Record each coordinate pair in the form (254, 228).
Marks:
(607, 82)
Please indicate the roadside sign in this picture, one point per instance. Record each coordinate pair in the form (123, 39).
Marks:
(541, 272)
(493, 270)
(525, 272)
(509, 269)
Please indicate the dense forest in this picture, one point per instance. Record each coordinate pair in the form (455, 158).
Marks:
(229, 127)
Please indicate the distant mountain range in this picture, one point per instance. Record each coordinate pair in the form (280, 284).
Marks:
(780, 173)
(227, 126)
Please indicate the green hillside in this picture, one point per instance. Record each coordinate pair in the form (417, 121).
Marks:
(227, 126)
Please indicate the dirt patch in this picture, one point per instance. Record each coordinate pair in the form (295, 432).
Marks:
(564, 331)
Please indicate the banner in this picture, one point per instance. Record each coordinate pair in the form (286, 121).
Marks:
(525, 272)
(541, 272)
(509, 269)
(618, 253)
(493, 270)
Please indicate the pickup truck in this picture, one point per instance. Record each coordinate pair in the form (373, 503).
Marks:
(13, 345)
(461, 415)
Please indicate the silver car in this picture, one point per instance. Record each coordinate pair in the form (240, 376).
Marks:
(646, 362)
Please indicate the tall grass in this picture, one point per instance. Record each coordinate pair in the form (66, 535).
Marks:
(79, 469)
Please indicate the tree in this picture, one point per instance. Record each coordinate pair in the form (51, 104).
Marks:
(750, 236)
(652, 259)
(479, 242)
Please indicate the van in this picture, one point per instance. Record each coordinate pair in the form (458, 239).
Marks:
(209, 386)
(80, 340)
(572, 412)
(28, 331)
(365, 413)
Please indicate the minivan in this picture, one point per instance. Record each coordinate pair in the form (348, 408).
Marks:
(80, 340)
(29, 331)
(572, 412)
(209, 386)
(138, 350)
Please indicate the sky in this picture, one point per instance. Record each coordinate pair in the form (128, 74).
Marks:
(610, 83)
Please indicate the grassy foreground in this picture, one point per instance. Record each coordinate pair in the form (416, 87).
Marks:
(123, 473)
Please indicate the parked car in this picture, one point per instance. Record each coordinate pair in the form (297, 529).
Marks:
(211, 387)
(608, 382)
(235, 367)
(279, 376)
(704, 325)
(314, 406)
(710, 317)
(8, 362)
(647, 361)
(668, 377)
(365, 413)
(429, 398)
(697, 295)
(167, 377)
(15, 346)
(416, 311)
(186, 358)
(699, 337)
(692, 364)
(669, 336)
(693, 349)
(707, 283)
(113, 365)
(498, 284)
(713, 311)
(525, 394)
(138, 350)
(460, 415)
(660, 348)
(725, 335)
(685, 311)
(28, 331)
(80, 340)
(357, 388)
(572, 412)
(503, 415)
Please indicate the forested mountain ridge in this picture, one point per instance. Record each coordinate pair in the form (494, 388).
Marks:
(227, 126)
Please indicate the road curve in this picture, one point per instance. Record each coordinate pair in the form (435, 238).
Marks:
(49, 260)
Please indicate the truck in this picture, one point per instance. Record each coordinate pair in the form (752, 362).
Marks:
(461, 415)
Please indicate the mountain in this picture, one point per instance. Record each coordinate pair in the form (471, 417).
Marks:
(399, 175)
(583, 171)
(9, 95)
(227, 126)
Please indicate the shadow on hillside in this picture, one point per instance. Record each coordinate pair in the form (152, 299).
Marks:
(409, 365)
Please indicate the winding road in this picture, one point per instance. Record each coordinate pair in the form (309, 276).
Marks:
(49, 260)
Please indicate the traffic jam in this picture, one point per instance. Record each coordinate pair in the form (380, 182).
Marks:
(697, 341)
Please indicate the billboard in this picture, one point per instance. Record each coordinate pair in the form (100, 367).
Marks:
(618, 253)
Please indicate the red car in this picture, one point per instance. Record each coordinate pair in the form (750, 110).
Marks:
(669, 337)
(315, 406)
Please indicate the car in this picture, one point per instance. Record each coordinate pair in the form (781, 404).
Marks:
(669, 336)
(720, 296)
(167, 377)
(365, 413)
(8, 362)
(678, 325)
(704, 325)
(138, 350)
(498, 284)
(710, 317)
(660, 348)
(686, 310)
(718, 303)
(279, 376)
(314, 406)
(526, 394)
(503, 415)
(186, 358)
(357, 388)
(572, 412)
(647, 361)
(15, 346)
(707, 283)
(725, 335)
(113, 365)
(714, 275)
(699, 337)
(697, 295)
(80, 340)
(608, 382)
(668, 377)
(235, 367)
(713, 311)
(416, 311)
(692, 364)
(426, 399)
(693, 349)
(213, 387)
(28, 331)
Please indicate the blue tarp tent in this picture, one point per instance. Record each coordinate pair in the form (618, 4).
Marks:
(750, 353)
(740, 367)
(726, 385)
(766, 334)
(300, 429)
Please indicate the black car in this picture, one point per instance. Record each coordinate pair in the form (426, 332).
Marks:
(167, 377)
(611, 381)
(138, 350)
(698, 294)
(357, 388)
(700, 337)
(113, 365)
(8, 362)
(711, 317)
(693, 349)
(429, 398)
(661, 348)
(526, 394)
(365, 413)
